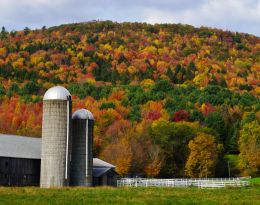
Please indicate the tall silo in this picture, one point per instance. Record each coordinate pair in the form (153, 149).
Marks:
(82, 142)
(56, 142)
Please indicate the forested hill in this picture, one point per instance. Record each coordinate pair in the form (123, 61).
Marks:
(130, 53)
(154, 89)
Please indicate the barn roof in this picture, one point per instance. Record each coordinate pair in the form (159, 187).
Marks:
(30, 148)
(20, 147)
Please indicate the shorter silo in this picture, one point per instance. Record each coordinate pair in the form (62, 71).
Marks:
(81, 153)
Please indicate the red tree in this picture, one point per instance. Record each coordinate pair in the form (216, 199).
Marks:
(180, 115)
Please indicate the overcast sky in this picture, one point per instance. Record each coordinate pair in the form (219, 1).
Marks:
(234, 15)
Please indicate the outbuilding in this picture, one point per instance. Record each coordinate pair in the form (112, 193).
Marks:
(104, 174)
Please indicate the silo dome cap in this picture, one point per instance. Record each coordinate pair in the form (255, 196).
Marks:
(57, 93)
(83, 114)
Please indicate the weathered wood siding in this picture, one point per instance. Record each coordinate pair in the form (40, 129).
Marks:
(19, 172)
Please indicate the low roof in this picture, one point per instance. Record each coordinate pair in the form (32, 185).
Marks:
(100, 163)
(30, 148)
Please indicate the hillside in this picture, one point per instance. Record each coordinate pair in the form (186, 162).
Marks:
(153, 89)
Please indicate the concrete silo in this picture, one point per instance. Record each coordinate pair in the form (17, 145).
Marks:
(56, 132)
(82, 140)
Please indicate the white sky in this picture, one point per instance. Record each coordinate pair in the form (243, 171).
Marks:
(234, 15)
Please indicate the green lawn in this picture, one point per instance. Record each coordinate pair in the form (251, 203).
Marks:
(156, 196)
(255, 181)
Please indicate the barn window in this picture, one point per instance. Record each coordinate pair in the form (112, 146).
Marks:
(6, 164)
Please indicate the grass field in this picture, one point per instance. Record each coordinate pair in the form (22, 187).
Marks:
(255, 181)
(106, 195)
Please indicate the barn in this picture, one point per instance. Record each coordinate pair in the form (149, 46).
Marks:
(103, 173)
(20, 161)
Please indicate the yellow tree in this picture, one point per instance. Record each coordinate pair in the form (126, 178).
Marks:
(203, 156)
(3, 52)
(119, 154)
(249, 145)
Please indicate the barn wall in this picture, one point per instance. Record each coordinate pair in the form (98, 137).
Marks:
(107, 179)
(19, 172)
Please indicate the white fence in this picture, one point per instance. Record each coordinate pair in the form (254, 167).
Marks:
(185, 182)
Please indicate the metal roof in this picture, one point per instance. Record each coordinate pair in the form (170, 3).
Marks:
(30, 148)
(20, 147)
(56, 93)
(97, 171)
(100, 163)
(83, 114)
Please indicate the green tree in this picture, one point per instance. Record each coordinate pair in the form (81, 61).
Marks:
(3, 33)
(214, 120)
(135, 113)
(26, 31)
(2, 90)
(29, 88)
(173, 139)
(13, 89)
(106, 105)
(171, 75)
(162, 86)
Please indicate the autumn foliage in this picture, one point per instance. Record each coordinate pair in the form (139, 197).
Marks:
(249, 143)
(180, 115)
(203, 157)
(156, 91)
